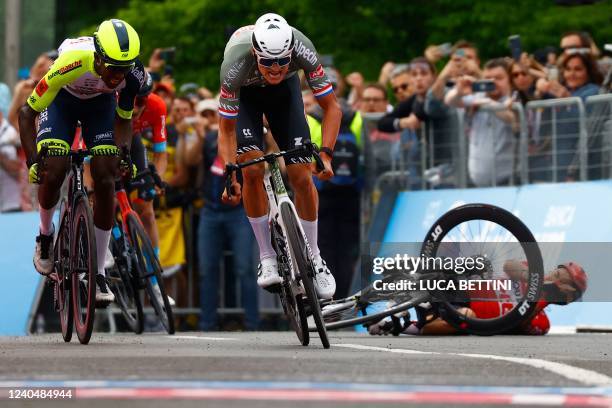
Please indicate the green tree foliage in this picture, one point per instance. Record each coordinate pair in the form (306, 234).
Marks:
(360, 34)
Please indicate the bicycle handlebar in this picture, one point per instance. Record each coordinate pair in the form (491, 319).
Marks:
(308, 147)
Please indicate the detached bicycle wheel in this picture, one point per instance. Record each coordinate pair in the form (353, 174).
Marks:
(123, 284)
(495, 239)
(84, 268)
(62, 286)
(149, 269)
(305, 267)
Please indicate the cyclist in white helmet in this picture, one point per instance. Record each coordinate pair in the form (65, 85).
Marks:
(259, 77)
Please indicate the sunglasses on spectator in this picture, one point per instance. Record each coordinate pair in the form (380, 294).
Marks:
(419, 65)
(268, 62)
(402, 87)
(373, 100)
(517, 74)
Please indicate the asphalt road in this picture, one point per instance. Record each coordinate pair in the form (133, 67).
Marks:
(270, 369)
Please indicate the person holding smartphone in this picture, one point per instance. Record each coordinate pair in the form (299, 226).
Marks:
(491, 134)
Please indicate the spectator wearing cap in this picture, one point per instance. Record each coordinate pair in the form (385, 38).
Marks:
(220, 226)
(166, 92)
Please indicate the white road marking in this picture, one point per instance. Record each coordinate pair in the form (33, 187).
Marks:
(201, 338)
(581, 375)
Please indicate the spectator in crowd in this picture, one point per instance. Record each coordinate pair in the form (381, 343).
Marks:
(580, 77)
(409, 114)
(5, 99)
(220, 225)
(572, 40)
(165, 92)
(309, 100)
(374, 99)
(24, 88)
(491, 135)
(10, 168)
(524, 75)
(444, 121)
(356, 82)
(401, 83)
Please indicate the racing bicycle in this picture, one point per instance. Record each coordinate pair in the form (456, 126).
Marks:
(295, 261)
(75, 267)
(136, 264)
(472, 230)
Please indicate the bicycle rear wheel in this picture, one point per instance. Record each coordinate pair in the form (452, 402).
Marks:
(497, 236)
(63, 297)
(123, 284)
(305, 267)
(149, 269)
(84, 268)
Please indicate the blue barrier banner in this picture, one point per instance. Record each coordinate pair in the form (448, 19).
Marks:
(564, 214)
(19, 279)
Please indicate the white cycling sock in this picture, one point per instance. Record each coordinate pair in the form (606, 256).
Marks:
(310, 229)
(102, 240)
(262, 234)
(46, 220)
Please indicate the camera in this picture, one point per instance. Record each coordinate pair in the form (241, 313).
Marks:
(445, 49)
(167, 54)
(485, 85)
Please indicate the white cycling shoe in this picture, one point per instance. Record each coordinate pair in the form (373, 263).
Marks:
(43, 254)
(267, 273)
(325, 283)
(104, 296)
(109, 260)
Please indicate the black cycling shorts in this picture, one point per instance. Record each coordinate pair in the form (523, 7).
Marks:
(57, 124)
(283, 106)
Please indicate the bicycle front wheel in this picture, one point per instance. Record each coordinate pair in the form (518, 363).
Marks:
(151, 272)
(498, 239)
(63, 297)
(123, 284)
(305, 267)
(84, 268)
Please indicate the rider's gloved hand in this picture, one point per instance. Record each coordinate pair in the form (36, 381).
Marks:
(33, 174)
(126, 166)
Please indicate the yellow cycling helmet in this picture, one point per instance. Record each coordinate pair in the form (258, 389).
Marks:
(117, 42)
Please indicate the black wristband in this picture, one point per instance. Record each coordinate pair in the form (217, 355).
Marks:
(327, 151)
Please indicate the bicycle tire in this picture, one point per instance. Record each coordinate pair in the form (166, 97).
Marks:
(291, 299)
(149, 264)
(63, 295)
(84, 261)
(125, 287)
(519, 230)
(305, 267)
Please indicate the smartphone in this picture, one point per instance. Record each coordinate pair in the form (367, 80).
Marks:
(190, 120)
(484, 85)
(553, 73)
(445, 49)
(460, 52)
(167, 54)
(515, 47)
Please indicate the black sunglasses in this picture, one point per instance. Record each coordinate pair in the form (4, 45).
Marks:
(403, 87)
(268, 62)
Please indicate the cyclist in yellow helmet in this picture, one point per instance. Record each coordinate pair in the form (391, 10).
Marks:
(93, 81)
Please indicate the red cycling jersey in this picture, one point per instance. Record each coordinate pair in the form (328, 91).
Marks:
(483, 309)
(151, 124)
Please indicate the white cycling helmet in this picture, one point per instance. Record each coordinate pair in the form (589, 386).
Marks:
(272, 37)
